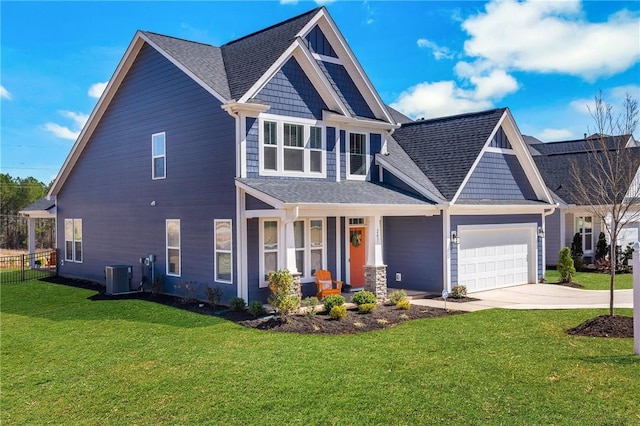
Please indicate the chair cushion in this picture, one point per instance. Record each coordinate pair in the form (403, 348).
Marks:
(325, 284)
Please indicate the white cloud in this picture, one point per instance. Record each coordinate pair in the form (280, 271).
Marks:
(288, 1)
(68, 132)
(555, 134)
(96, 90)
(439, 52)
(496, 85)
(323, 2)
(552, 37)
(5, 94)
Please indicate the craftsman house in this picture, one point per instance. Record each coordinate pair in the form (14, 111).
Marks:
(217, 165)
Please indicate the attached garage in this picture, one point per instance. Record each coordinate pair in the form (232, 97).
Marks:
(496, 256)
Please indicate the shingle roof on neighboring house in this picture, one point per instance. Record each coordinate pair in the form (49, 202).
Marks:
(577, 145)
(343, 192)
(446, 148)
(41, 204)
(203, 60)
(398, 117)
(248, 58)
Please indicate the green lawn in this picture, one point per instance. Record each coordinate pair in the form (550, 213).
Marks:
(66, 359)
(593, 280)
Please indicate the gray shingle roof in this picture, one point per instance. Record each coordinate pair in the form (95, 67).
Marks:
(203, 60)
(248, 58)
(397, 116)
(578, 145)
(445, 148)
(41, 204)
(323, 192)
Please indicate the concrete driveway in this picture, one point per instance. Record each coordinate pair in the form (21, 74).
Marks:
(537, 296)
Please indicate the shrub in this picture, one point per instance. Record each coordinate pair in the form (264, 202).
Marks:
(237, 304)
(331, 301)
(458, 292)
(256, 308)
(214, 295)
(363, 297)
(602, 248)
(565, 265)
(396, 296)
(310, 303)
(403, 304)
(338, 312)
(576, 246)
(367, 308)
(283, 292)
(288, 304)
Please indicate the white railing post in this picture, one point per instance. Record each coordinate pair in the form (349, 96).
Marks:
(636, 298)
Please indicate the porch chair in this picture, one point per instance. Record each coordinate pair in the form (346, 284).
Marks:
(326, 285)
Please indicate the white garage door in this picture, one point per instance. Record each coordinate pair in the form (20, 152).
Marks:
(493, 257)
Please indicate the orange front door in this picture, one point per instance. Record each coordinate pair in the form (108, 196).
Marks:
(356, 256)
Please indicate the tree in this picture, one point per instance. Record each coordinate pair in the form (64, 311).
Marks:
(605, 179)
(565, 265)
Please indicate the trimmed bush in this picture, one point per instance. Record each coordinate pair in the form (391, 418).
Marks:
(331, 301)
(256, 308)
(565, 265)
(403, 304)
(363, 297)
(338, 312)
(367, 308)
(237, 304)
(396, 296)
(283, 291)
(288, 304)
(310, 304)
(458, 292)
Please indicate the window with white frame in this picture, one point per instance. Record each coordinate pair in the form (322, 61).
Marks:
(223, 251)
(73, 240)
(584, 227)
(292, 147)
(158, 156)
(357, 161)
(173, 248)
(309, 246)
(269, 248)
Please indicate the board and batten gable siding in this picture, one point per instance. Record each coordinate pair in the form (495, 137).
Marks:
(111, 188)
(291, 93)
(346, 89)
(252, 203)
(319, 44)
(413, 248)
(390, 179)
(552, 237)
(496, 220)
(498, 177)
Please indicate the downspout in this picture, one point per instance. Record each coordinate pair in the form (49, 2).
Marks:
(446, 240)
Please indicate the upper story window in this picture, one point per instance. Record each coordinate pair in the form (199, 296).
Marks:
(294, 147)
(357, 156)
(158, 156)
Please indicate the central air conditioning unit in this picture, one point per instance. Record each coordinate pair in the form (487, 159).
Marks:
(118, 278)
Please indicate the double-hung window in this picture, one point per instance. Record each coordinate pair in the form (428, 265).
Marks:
(173, 247)
(223, 256)
(73, 240)
(269, 247)
(158, 156)
(309, 245)
(584, 227)
(294, 148)
(357, 163)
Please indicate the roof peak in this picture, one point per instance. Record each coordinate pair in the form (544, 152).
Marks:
(177, 38)
(455, 117)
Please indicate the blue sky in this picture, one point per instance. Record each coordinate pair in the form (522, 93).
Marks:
(543, 60)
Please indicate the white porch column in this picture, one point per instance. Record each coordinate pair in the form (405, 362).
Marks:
(290, 246)
(374, 241)
(636, 298)
(31, 225)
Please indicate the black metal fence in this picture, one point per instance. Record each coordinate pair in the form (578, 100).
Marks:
(28, 266)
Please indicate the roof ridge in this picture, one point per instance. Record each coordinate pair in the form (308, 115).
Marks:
(315, 10)
(179, 38)
(457, 116)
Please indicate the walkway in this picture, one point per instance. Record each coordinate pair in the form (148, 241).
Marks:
(536, 296)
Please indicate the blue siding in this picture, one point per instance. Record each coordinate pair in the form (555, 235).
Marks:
(253, 262)
(252, 203)
(252, 147)
(390, 179)
(331, 245)
(291, 93)
(413, 247)
(552, 237)
(331, 153)
(110, 188)
(346, 89)
(343, 260)
(319, 44)
(498, 177)
(375, 145)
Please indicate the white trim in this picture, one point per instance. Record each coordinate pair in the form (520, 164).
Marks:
(242, 285)
(446, 247)
(372, 125)
(260, 195)
(347, 242)
(500, 150)
(178, 247)
(261, 252)
(306, 227)
(367, 155)
(163, 156)
(216, 250)
(74, 257)
(325, 58)
(338, 250)
(498, 209)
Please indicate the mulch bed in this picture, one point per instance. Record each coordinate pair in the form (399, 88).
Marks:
(382, 317)
(605, 326)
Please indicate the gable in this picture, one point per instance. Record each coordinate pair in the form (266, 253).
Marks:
(500, 140)
(290, 92)
(318, 43)
(346, 89)
(498, 176)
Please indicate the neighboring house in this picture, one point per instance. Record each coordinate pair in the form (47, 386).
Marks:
(275, 151)
(43, 208)
(554, 160)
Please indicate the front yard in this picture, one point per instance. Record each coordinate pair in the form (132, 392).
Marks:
(66, 359)
(592, 280)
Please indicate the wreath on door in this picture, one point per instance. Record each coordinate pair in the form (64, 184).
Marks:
(356, 238)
